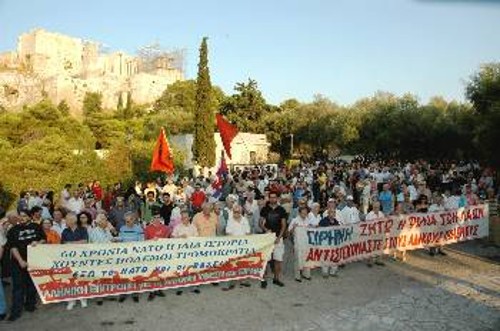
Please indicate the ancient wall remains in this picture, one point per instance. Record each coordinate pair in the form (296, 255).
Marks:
(65, 68)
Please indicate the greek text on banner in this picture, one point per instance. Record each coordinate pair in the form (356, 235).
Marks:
(347, 243)
(74, 271)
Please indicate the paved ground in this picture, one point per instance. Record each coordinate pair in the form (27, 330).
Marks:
(456, 292)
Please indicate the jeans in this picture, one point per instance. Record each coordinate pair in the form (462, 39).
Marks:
(23, 290)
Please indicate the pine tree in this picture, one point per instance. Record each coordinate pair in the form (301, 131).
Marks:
(204, 142)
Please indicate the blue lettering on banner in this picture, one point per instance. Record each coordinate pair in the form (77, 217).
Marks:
(333, 237)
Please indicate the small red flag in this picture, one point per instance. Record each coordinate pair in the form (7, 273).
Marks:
(227, 133)
(162, 158)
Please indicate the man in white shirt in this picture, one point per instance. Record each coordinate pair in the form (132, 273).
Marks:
(349, 214)
(375, 213)
(237, 225)
(185, 230)
(75, 203)
(58, 224)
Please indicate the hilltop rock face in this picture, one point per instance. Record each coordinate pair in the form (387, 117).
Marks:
(18, 89)
(65, 68)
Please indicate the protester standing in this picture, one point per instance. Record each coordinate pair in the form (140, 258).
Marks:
(19, 237)
(273, 220)
(74, 233)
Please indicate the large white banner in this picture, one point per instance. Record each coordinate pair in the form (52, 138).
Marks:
(77, 271)
(347, 243)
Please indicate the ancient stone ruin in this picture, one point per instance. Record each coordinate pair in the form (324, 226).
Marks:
(60, 67)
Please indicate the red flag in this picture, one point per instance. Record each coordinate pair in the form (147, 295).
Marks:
(162, 158)
(227, 132)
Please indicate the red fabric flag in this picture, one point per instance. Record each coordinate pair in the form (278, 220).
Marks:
(162, 158)
(227, 133)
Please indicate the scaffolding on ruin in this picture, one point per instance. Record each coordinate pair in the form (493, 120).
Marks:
(153, 57)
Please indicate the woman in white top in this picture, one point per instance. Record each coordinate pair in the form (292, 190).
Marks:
(302, 220)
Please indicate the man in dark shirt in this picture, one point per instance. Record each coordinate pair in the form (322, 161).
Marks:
(273, 219)
(19, 237)
(166, 208)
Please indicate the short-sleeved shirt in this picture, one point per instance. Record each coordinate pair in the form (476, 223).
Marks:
(206, 226)
(22, 235)
(273, 217)
(134, 233)
(78, 234)
(100, 235)
(153, 231)
(326, 221)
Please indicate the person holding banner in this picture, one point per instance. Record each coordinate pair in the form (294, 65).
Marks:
(374, 214)
(154, 231)
(205, 221)
(130, 232)
(329, 220)
(237, 225)
(101, 234)
(74, 234)
(304, 221)
(52, 236)
(185, 230)
(273, 219)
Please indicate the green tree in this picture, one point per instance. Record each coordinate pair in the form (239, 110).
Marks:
(483, 90)
(204, 142)
(247, 107)
(92, 104)
(63, 108)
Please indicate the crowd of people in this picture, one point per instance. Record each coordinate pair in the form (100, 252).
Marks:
(248, 200)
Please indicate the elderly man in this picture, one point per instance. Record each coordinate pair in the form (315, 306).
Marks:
(206, 221)
(185, 230)
(329, 220)
(154, 231)
(350, 213)
(130, 232)
(101, 233)
(374, 214)
(237, 225)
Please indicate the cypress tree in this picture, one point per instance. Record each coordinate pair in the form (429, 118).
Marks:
(204, 142)
(119, 106)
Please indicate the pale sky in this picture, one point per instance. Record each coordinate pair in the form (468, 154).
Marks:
(345, 49)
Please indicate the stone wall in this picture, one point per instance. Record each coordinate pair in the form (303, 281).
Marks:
(65, 68)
